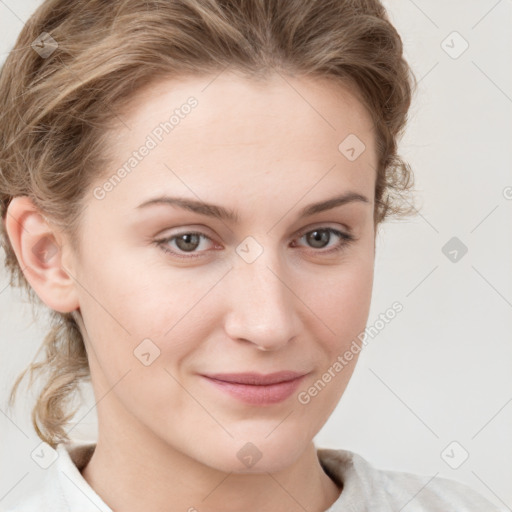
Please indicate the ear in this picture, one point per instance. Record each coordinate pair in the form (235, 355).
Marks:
(39, 250)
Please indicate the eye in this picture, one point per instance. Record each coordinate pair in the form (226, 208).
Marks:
(319, 238)
(190, 241)
(186, 242)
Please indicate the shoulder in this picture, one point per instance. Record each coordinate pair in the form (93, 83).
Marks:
(62, 487)
(45, 497)
(387, 490)
(47, 493)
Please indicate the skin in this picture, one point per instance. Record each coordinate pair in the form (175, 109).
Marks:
(265, 149)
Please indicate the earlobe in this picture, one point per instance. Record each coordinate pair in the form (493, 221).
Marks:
(39, 250)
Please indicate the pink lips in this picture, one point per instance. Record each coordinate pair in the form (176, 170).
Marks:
(255, 388)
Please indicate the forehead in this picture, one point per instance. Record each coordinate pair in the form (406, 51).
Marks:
(232, 109)
(279, 128)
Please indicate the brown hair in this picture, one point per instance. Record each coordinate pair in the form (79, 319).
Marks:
(57, 108)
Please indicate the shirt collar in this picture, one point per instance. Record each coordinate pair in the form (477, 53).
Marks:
(74, 490)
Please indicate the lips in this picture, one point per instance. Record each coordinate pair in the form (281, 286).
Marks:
(255, 388)
(256, 379)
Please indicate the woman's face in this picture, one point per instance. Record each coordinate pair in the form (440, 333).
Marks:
(255, 282)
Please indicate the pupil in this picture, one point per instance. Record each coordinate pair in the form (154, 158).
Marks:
(191, 242)
(319, 235)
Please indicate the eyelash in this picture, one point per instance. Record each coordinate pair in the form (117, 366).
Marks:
(346, 239)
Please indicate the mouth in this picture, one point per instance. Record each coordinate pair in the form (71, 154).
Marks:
(255, 388)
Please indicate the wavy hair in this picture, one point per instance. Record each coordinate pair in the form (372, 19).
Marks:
(56, 111)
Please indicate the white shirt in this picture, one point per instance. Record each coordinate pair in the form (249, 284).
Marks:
(365, 488)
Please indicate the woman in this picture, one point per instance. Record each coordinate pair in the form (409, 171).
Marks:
(193, 188)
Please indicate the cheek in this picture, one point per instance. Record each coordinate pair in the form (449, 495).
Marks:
(340, 298)
(341, 303)
(138, 290)
(151, 313)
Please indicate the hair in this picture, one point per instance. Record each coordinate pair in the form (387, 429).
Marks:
(57, 110)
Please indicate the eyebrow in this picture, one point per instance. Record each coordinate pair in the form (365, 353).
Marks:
(219, 212)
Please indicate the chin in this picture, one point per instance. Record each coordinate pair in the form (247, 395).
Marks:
(256, 454)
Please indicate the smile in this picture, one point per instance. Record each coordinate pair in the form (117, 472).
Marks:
(257, 389)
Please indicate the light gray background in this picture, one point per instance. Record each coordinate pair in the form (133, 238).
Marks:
(441, 370)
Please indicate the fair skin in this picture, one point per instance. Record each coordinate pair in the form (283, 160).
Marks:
(168, 440)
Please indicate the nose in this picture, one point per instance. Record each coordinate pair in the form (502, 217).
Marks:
(262, 304)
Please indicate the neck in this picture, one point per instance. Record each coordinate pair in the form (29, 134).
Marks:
(150, 475)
